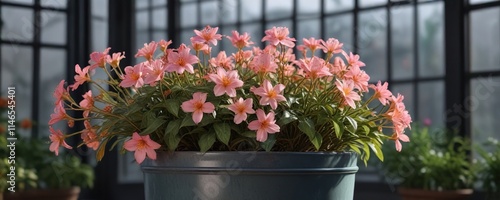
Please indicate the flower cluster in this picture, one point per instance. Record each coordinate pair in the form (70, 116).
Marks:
(255, 99)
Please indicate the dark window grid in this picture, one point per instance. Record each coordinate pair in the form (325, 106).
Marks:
(34, 6)
(483, 74)
(469, 8)
(151, 29)
(22, 43)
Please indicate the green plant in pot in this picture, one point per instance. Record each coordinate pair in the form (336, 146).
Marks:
(490, 168)
(435, 165)
(258, 110)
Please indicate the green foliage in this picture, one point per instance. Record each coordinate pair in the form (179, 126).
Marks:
(490, 167)
(437, 160)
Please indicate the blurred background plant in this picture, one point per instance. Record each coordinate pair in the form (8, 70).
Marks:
(489, 172)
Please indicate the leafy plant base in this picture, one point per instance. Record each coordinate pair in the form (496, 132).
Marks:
(421, 194)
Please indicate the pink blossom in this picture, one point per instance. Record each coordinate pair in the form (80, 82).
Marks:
(338, 68)
(311, 43)
(147, 51)
(198, 46)
(222, 61)
(270, 95)
(154, 72)
(181, 61)
(240, 41)
(332, 45)
(98, 59)
(164, 44)
(198, 106)
(381, 92)
(346, 88)
(315, 68)
(359, 78)
(226, 82)
(207, 35)
(133, 76)
(87, 103)
(142, 146)
(279, 35)
(58, 115)
(57, 140)
(114, 60)
(242, 56)
(241, 108)
(427, 121)
(89, 136)
(353, 60)
(60, 92)
(399, 137)
(81, 76)
(263, 63)
(263, 125)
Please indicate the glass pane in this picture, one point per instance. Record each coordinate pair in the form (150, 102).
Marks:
(402, 42)
(17, 71)
(254, 30)
(141, 37)
(229, 11)
(141, 4)
(52, 71)
(430, 39)
(29, 2)
(340, 27)
(251, 10)
(338, 5)
(142, 20)
(307, 29)
(276, 9)
(159, 35)
(480, 1)
(431, 103)
(485, 39)
(308, 8)
(53, 27)
(157, 3)
(484, 108)
(160, 18)
(189, 14)
(407, 91)
(54, 3)
(17, 24)
(226, 44)
(209, 13)
(367, 3)
(373, 43)
(282, 23)
(99, 25)
(186, 35)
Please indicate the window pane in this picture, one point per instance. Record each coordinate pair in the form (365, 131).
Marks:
(402, 42)
(54, 3)
(480, 1)
(484, 108)
(407, 91)
(52, 71)
(251, 10)
(160, 18)
(17, 24)
(367, 3)
(141, 20)
(28, 2)
(53, 27)
(209, 13)
(276, 9)
(17, 70)
(255, 32)
(373, 43)
(430, 39)
(485, 39)
(338, 5)
(431, 102)
(141, 4)
(340, 27)
(282, 23)
(186, 34)
(99, 25)
(157, 3)
(159, 35)
(307, 8)
(189, 14)
(226, 44)
(307, 29)
(229, 12)
(141, 37)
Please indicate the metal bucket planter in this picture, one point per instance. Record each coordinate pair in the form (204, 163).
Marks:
(250, 176)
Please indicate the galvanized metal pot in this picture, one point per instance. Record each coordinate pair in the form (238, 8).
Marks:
(250, 176)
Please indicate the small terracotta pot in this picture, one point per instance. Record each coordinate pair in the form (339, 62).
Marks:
(45, 194)
(421, 194)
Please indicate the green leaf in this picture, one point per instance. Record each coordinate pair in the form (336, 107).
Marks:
(377, 149)
(338, 131)
(307, 127)
(206, 141)
(354, 148)
(269, 143)
(173, 127)
(249, 134)
(353, 123)
(317, 141)
(172, 141)
(286, 118)
(173, 106)
(153, 126)
(367, 129)
(187, 121)
(223, 132)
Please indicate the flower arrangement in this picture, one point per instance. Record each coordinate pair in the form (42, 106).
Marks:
(185, 99)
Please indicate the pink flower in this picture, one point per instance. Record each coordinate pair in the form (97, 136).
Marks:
(87, 103)
(207, 35)
(142, 146)
(60, 92)
(225, 82)
(181, 60)
(427, 121)
(279, 35)
(198, 106)
(114, 60)
(269, 95)
(311, 43)
(240, 41)
(242, 56)
(359, 78)
(353, 60)
(199, 46)
(332, 45)
(263, 125)
(338, 68)
(89, 136)
(133, 76)
(98, 59)
(154, 72)
(315, 68)
(346, 88)
(57, 140)
(81, 77)
(58, 115)
(147, 51)
(241, 109)
(222, 61)
(397, 137)
(381, 92)
(164, 44)
(263, 63)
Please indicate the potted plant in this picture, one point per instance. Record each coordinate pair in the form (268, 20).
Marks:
(217, 126)
(490, 168)
(435, 165)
